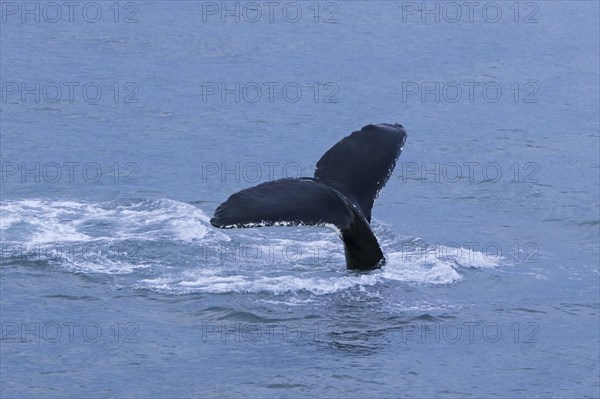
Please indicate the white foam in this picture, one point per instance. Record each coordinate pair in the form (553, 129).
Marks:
(306, 260)
(106, 266)
(49, 222)
(419, 269)
(97, 237)
(65, 221)
(433, 265)
(255, 284)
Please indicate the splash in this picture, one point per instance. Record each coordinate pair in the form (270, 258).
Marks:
(169, 246)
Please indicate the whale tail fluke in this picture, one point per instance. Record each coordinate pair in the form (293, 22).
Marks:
(347, 180)
(359, 165)
(289, 202)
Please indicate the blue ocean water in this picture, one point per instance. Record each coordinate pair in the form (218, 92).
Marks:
(125, 124)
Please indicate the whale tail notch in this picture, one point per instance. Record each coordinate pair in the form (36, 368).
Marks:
(347, 181)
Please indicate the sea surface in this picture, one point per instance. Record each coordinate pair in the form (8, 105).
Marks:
(125, 124)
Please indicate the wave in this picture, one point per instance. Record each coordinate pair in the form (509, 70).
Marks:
(170, 247)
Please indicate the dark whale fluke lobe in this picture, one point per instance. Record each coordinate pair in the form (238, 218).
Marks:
(347, 181)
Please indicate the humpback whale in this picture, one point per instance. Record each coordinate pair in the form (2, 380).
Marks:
(347, 180)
